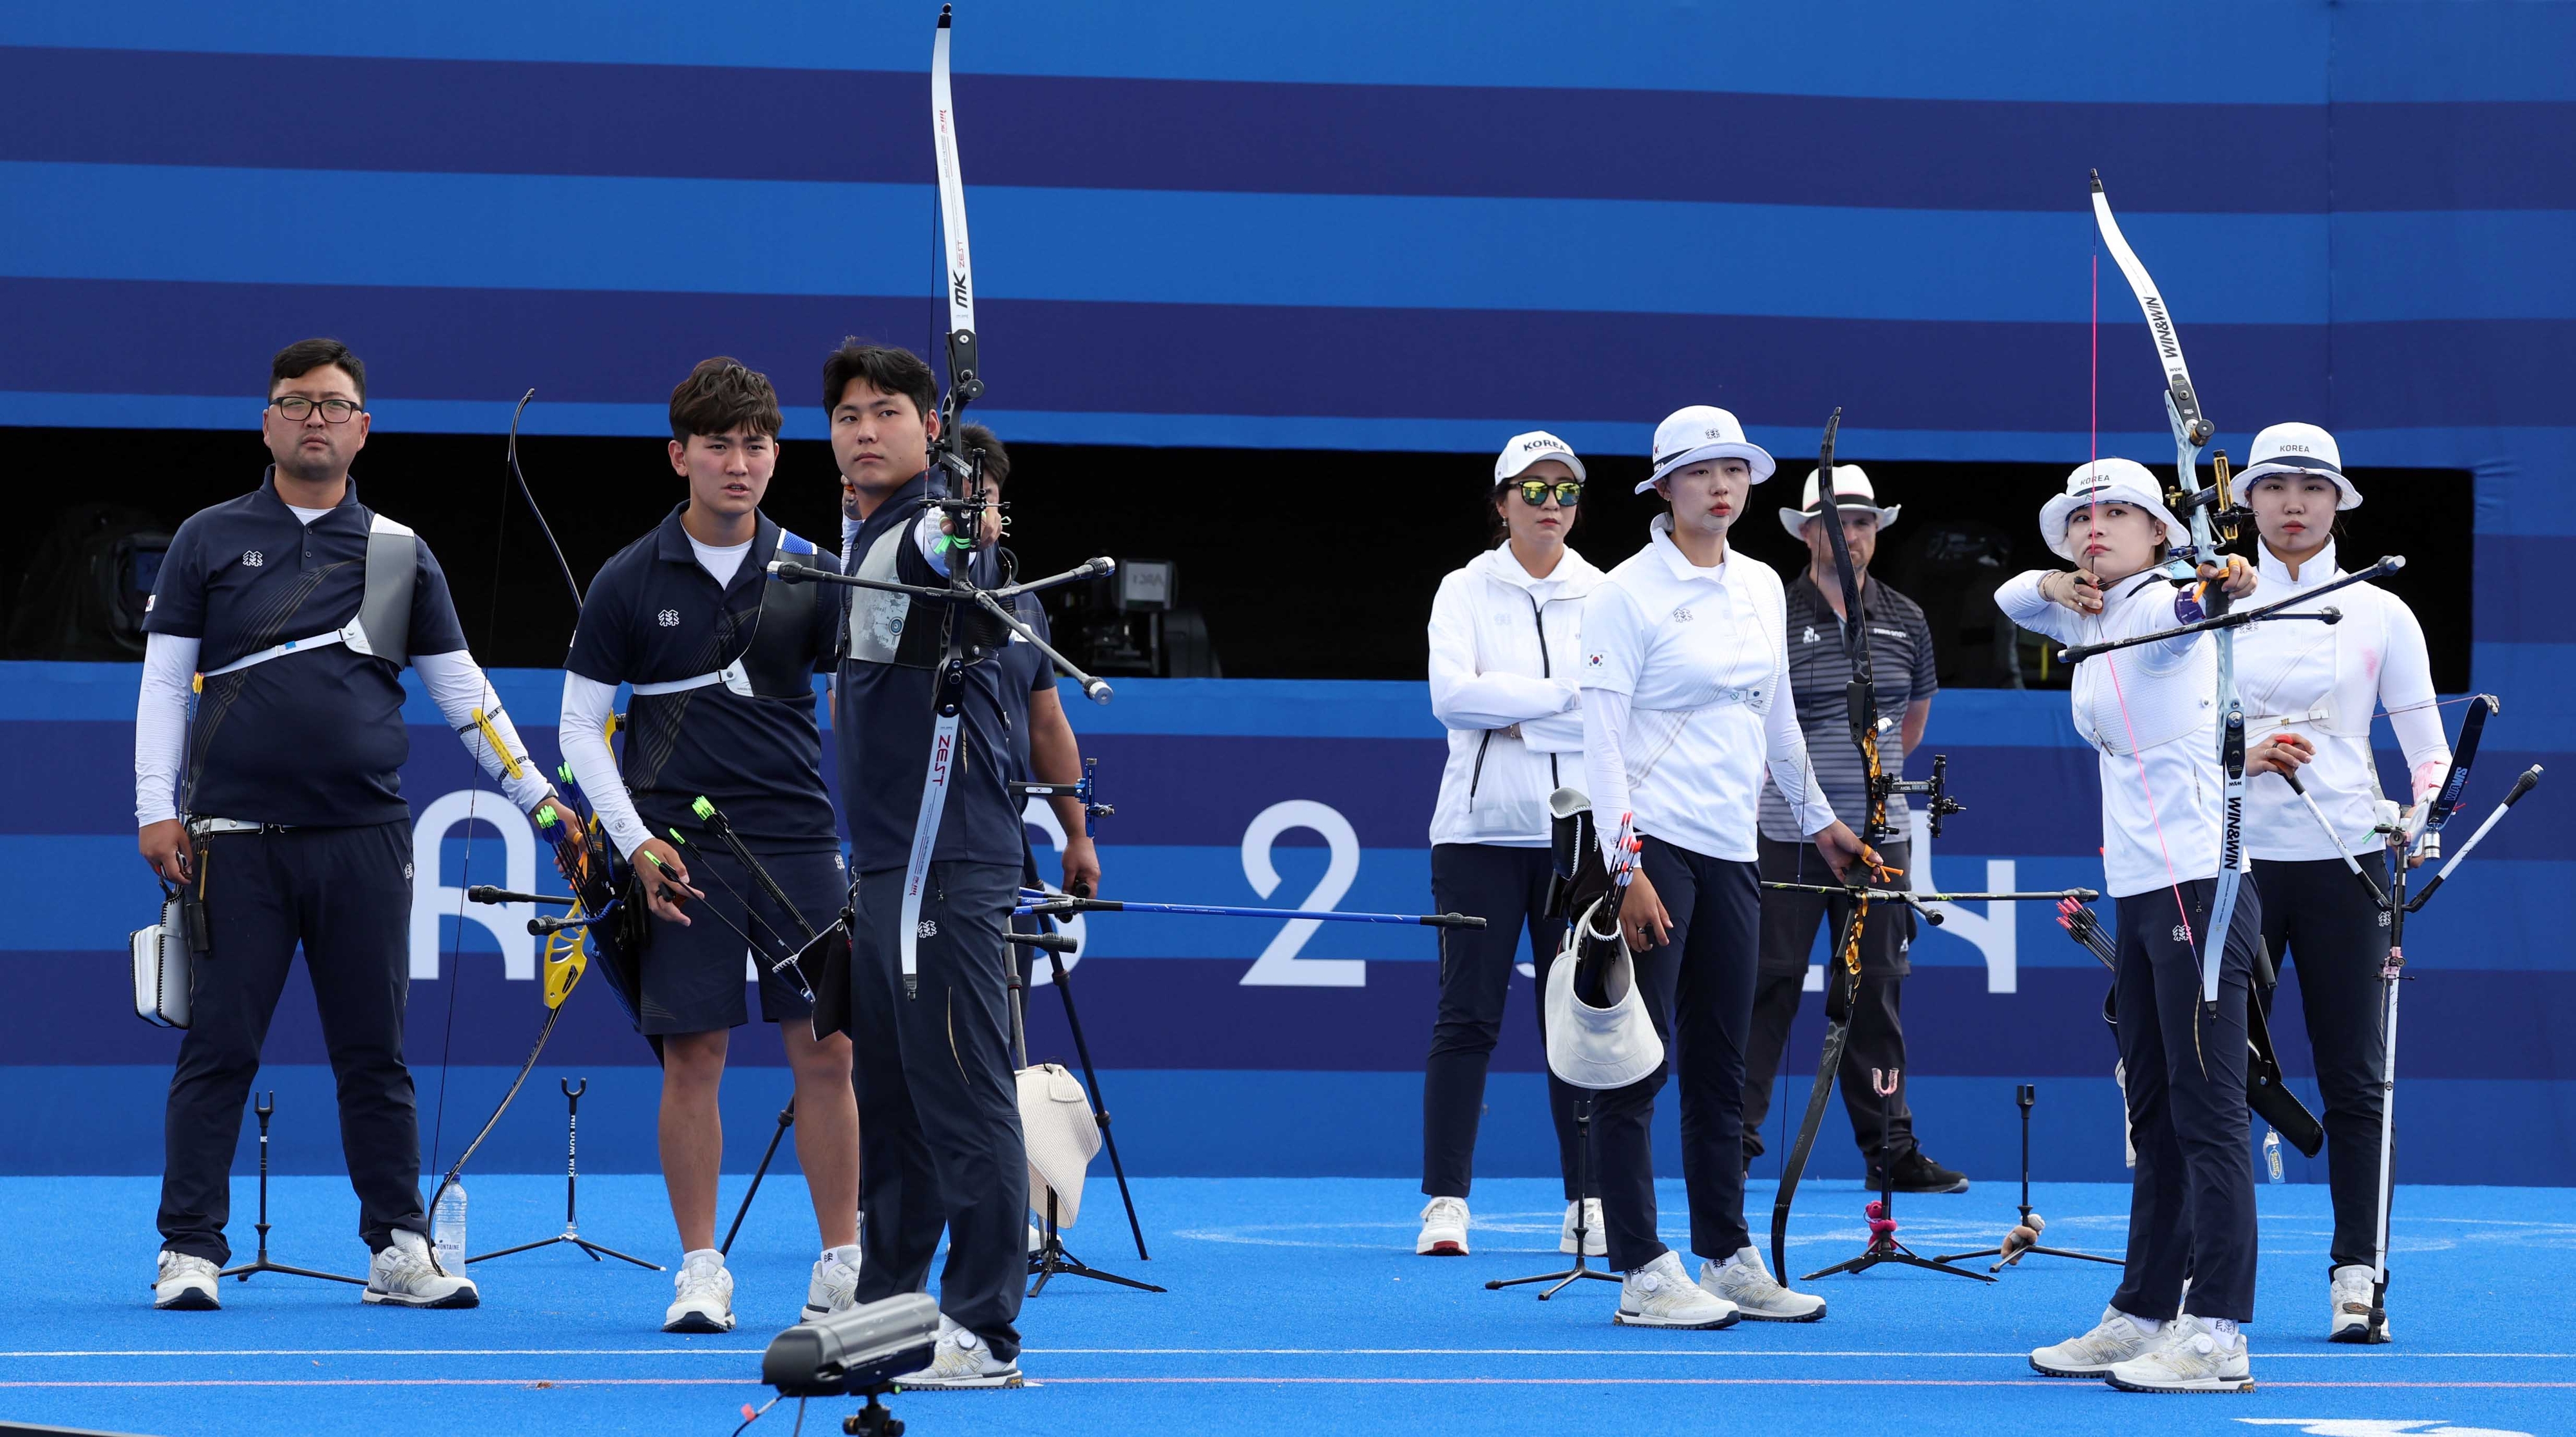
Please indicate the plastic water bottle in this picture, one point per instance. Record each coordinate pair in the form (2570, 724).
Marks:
(447, 1224)
(2271, 1169)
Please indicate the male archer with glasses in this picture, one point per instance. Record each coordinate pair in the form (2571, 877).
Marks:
(288, 615)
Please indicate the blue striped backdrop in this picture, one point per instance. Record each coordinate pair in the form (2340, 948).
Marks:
(1329, 224)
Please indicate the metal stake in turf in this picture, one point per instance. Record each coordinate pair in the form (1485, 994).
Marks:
(264, 1104)
(572, 1171)
(2023, 1240)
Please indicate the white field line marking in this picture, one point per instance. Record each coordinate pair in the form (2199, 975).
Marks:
(2058, 1384)
(695, 1351)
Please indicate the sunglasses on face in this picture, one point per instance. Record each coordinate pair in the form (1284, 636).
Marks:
(1535, 492)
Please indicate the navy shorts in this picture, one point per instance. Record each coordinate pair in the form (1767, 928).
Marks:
(695, 976)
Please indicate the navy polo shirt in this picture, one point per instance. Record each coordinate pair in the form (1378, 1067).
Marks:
(655, 615)
(1025, 671)
(314, 737)
(883, 730)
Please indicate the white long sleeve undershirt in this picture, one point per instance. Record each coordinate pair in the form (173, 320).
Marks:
(161, 726)
(583, 737)
(456, 684)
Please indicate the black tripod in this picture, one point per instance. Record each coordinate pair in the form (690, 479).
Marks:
(1582, 1214)
(786, 1120)
(2016, 1245)
(264, 1104)
(572, 1229)
(1883, 1246)
(1050, 1257)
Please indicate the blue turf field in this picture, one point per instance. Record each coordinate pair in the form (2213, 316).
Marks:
(1296, 1306)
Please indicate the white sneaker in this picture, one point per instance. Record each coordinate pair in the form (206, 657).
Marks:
(184, 1284)
(705, 1300)
(2116, 1339)
(403, 1275)
(1744, 1281)
(1037, 1240)
(1444, 1228)
(2349, 1291)
(961, 1361)
(2200, 1358)
(1596, 1243)
(835, 1283)
(1660, 1294)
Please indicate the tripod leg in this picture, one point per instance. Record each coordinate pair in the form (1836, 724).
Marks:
(786, 1120)
(1099, 1105)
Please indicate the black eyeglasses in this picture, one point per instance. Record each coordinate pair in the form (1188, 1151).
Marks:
(1568, 492)
(295, 409)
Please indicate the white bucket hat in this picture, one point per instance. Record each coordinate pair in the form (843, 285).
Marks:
(1524, 450)
(1062, 1137)
(1599, 1048)
(1849, 483)
(2107, 481)
(1699, 432)
(2298, 449)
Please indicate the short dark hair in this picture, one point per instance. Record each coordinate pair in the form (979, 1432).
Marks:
(997, 460)
(886, 368)
(307, 355)
(722, 395)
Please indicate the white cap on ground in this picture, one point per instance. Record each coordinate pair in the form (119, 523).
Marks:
(1524, 450)
(1849, 484)
(2107, 481)
(2298, 449)
(1699, 432)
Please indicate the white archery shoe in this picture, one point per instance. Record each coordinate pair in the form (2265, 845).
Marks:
(404, 1276)
(704, 1300)
(2201, 1357)
(960, 1362)
(2349, 1291)
(1660, 1294)
(2116, 1339)
(835, 1284)
(1444, 1228)
(1596, 1243)
(182, 1283)
(1745, 1282)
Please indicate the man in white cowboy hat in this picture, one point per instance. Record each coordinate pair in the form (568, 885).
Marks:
(1901, 663)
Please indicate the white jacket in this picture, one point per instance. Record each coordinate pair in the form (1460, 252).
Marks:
(2324, 681)
(1503, 651)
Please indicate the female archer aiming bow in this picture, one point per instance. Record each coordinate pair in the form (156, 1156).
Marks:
(2314, 687)
(2150, 712)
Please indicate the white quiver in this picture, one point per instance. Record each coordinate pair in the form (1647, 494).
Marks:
(1055, 1116)
(1606, 1047)
(162, 969)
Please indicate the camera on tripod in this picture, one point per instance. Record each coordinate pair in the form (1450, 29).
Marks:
(861, 1350)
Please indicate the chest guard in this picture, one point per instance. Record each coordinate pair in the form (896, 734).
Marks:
(900, 629)
(382, 627)
(778, 661)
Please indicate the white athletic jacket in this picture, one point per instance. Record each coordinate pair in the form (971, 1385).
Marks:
(2151, 713)
(2323, 681)
(1503, 653)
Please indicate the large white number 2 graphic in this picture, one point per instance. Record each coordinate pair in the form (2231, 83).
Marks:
(1279, 966)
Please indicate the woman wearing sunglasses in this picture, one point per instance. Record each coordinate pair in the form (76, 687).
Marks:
(1503, 654)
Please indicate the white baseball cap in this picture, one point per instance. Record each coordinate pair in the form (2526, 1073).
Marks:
(1699, 432)
(2298, 449)
(1849, 483)
(2106, 481)
(1524, 450)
